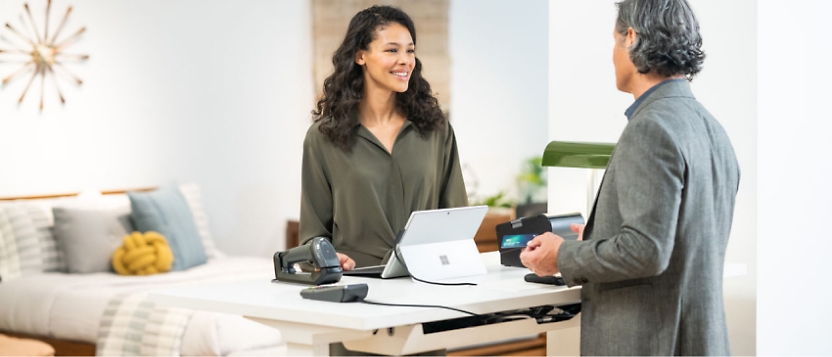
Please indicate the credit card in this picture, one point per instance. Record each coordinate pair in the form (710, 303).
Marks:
(516, 240)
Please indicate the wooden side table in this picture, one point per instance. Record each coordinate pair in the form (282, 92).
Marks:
(12, 346)
(486, 237)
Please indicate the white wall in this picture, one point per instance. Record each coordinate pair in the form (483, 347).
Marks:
(499, 88)
(794, 194)
(215, 92)
(584, 105)
(219, 93)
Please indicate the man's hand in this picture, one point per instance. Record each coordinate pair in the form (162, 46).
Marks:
(346, 262)
(541, 254)
(578, 228)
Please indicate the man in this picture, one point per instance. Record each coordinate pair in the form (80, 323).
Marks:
(652, 252)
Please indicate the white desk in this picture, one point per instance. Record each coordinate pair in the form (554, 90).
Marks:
(308, 327)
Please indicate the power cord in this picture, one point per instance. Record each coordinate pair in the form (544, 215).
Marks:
(396, 253)
(445, 284)
(425, 306)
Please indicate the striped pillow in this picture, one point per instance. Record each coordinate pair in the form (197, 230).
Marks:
(193, 196)
(27, 246)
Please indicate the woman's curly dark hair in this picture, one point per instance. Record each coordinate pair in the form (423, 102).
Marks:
(667, 36)
(344, 88)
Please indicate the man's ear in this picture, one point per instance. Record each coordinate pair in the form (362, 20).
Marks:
(631, 38)
(359, 57)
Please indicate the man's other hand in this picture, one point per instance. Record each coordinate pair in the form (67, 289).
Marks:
(541, 254)
(346, 262)
(578, 228)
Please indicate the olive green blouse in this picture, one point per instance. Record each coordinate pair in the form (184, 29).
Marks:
(361, 198)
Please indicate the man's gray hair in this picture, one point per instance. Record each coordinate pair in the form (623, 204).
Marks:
(667, 36)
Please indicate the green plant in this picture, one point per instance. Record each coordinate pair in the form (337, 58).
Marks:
(498, 200)
(532, 179)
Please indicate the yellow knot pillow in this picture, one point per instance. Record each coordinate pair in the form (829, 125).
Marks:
(143, 254)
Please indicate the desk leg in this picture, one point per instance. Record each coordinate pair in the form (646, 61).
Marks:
(297, 349)
(309, 339)
(565, 342)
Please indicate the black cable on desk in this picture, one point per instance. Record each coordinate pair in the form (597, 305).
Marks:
(445, 284)
(417, 305)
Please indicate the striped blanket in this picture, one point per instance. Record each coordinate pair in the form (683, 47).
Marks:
(133, 326)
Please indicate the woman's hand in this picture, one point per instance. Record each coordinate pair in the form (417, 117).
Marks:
(346, 262)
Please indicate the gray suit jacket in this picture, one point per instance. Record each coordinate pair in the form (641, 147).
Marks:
(654, 246)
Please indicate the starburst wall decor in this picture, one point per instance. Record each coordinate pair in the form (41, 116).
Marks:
(41, 56)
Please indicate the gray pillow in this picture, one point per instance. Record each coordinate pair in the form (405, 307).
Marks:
(89, 237)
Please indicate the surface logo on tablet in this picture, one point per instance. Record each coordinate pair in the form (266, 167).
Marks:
(444, 259)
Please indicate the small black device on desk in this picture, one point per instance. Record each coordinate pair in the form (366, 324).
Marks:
(336, 293)
(319, 252)
(551, 280)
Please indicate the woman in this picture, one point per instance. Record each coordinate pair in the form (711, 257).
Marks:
(380, 147)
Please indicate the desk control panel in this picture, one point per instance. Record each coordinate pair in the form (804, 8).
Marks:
(336, 293)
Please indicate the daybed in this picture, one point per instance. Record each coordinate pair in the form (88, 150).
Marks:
(81, 314)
